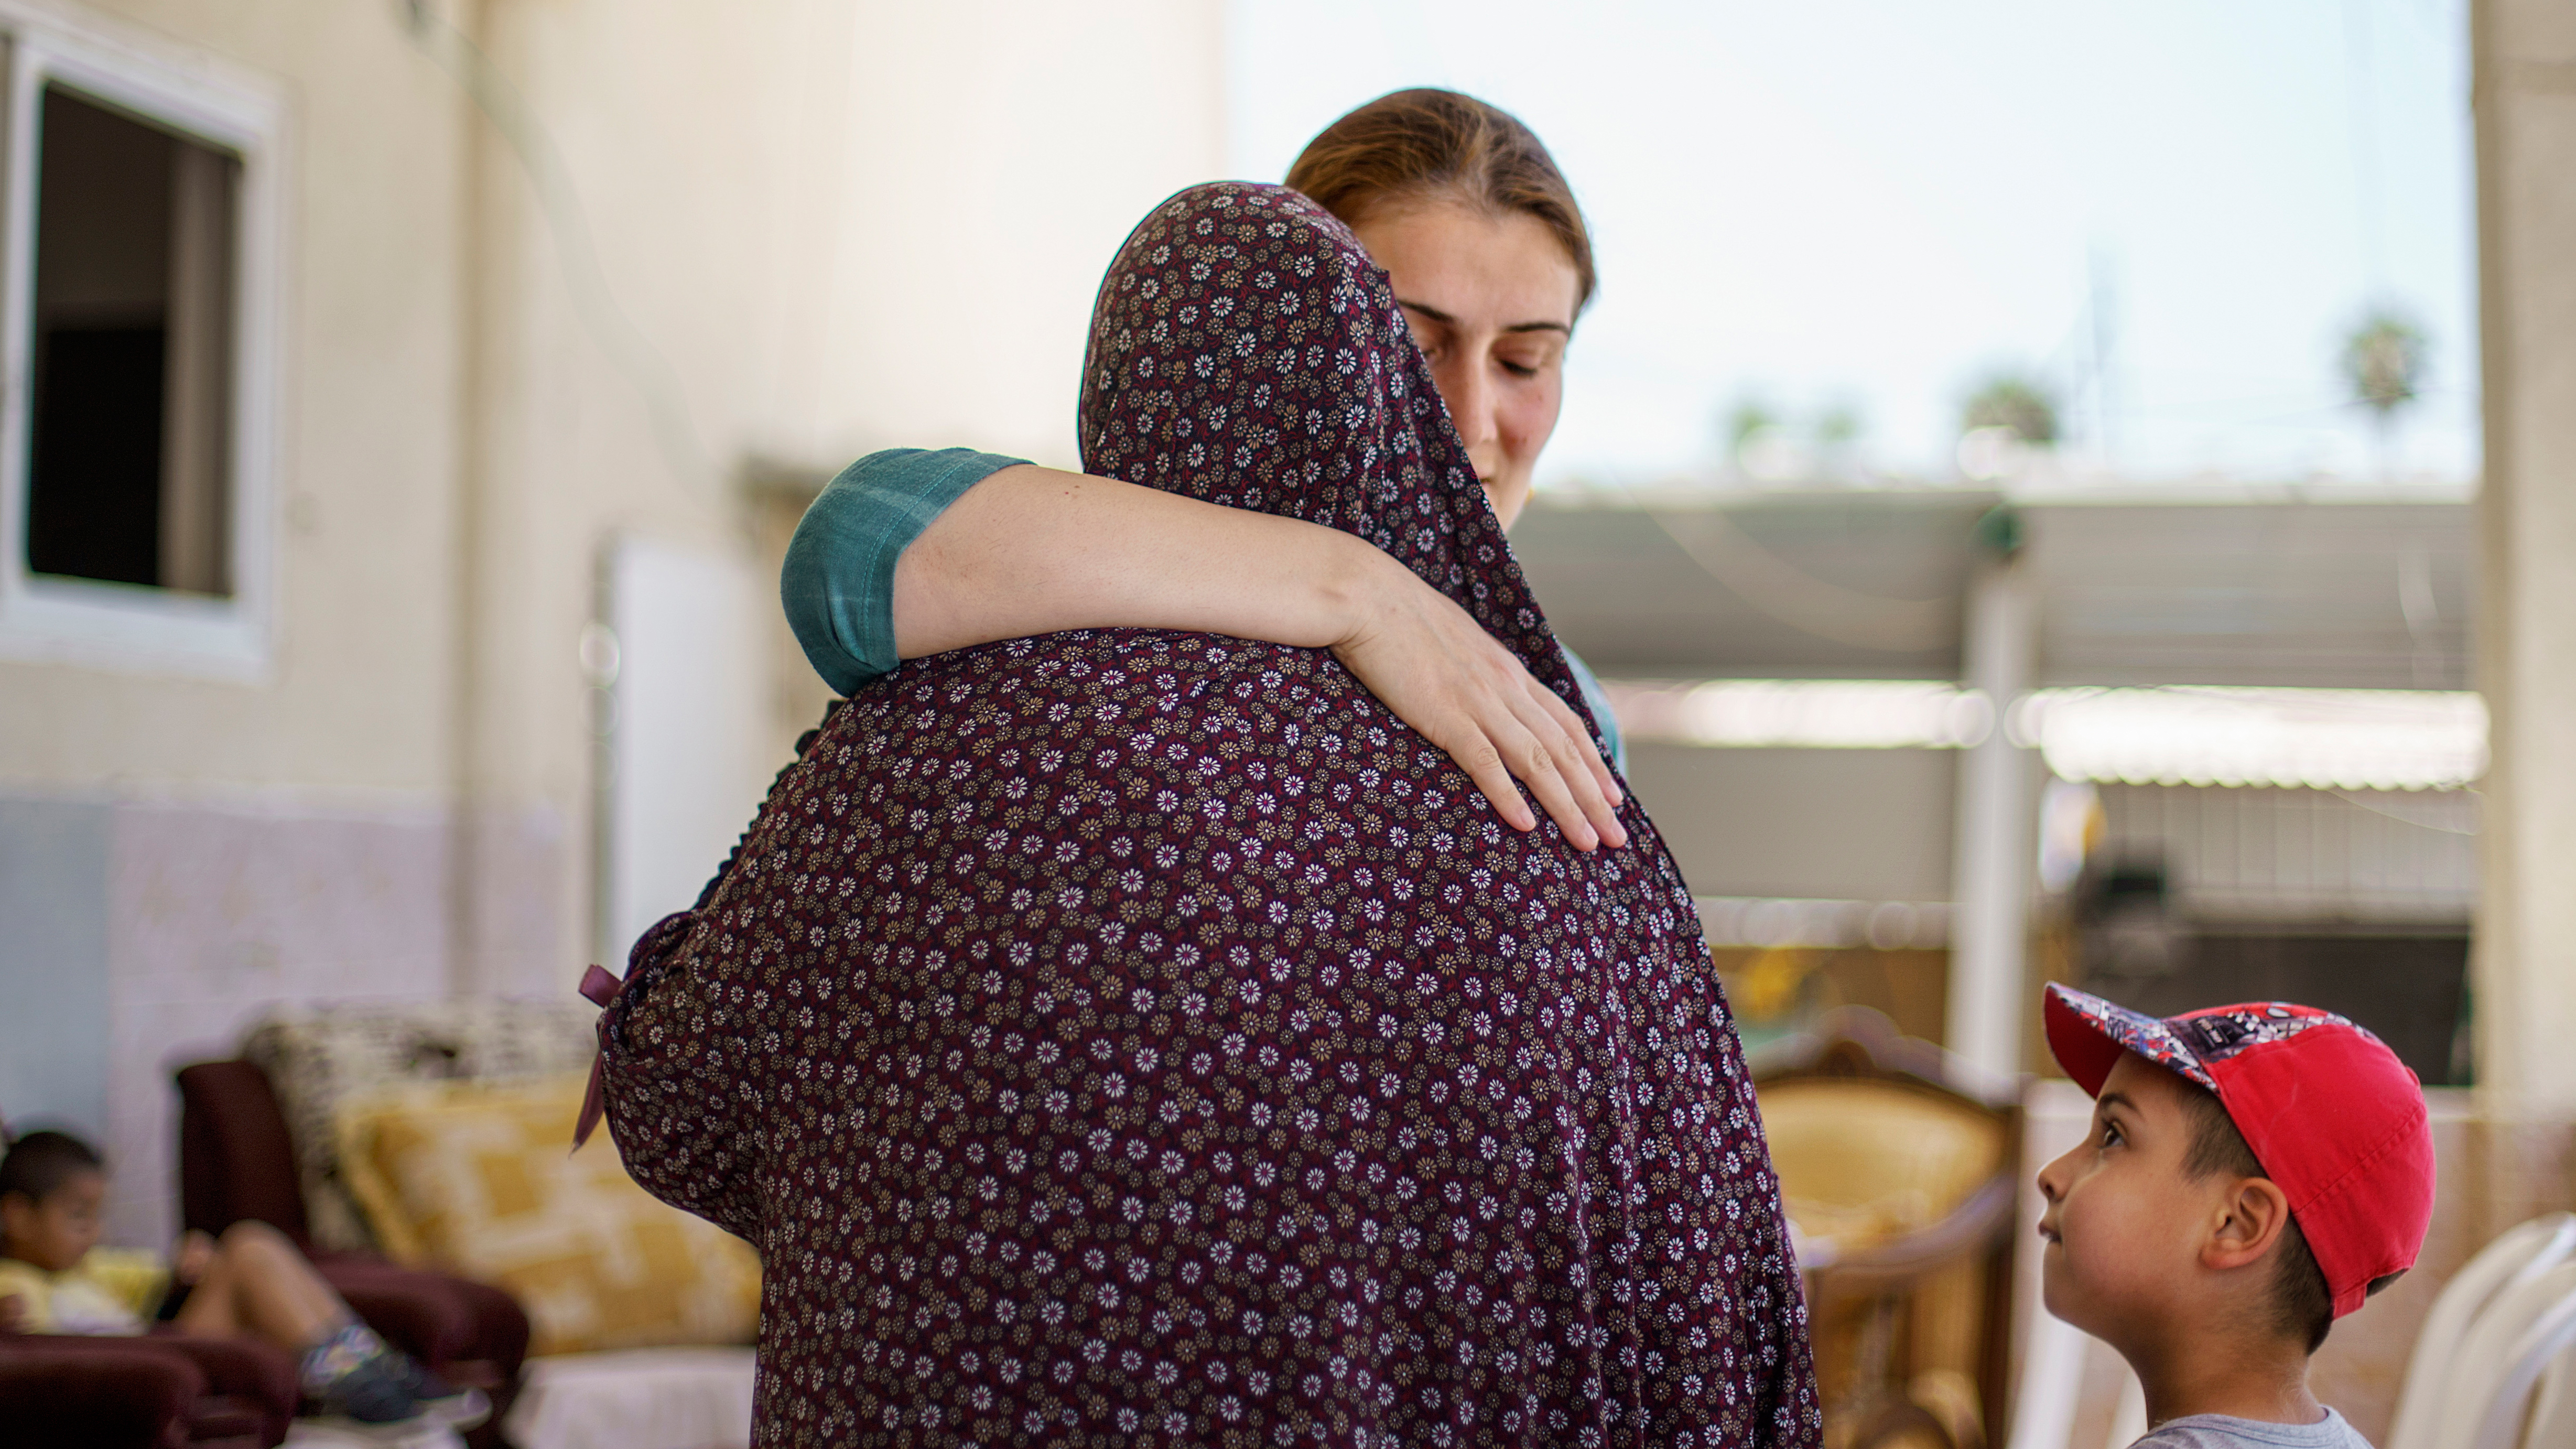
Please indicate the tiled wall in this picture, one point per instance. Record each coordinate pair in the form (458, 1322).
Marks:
(143, 936)
(213, 916)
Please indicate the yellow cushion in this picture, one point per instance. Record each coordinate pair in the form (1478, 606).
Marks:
(1861, 1162)
(476, 1179)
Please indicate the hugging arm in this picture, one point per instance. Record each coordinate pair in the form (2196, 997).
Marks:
(1010, 549)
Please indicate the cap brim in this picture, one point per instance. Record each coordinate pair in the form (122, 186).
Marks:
(2087, 1034)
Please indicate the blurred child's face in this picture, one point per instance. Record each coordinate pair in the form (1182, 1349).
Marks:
(59, 1231)
(2125, 1222)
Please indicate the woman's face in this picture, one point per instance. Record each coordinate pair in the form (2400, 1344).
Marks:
(1491, 300)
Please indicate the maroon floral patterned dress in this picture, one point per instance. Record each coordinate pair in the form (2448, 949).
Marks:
(1143, 1038)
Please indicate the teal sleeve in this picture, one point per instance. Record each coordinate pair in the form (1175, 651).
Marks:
(1599, 701)
(838, 582)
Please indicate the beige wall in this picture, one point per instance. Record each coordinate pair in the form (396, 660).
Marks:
(2525, 966)
(365, 654)
(838, 228)
(825, 225)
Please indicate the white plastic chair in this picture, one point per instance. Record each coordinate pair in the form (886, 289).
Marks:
(2553, 1412)
(2517, 1256)
(2541, 1355)
(2501, 1360)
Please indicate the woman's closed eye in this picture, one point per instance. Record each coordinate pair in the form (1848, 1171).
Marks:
(1527, 354)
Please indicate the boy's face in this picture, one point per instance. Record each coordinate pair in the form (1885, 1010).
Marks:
(2125, 1222)
(59, 1231)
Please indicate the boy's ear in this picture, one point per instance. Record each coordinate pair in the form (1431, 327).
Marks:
(2253, 1215)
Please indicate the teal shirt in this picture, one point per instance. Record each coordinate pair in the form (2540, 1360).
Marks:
(838, 582)
(1598, 700)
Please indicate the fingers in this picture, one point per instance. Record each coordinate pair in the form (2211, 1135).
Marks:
(1594, 788)
(1442, 674)
(1554, 755)
(1575, 759)
(1494, 750)
(1537, 767)
(1484, 765)
(1573, 724)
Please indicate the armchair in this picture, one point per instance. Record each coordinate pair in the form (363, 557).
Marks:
(1899, 1180)
(237, 1161)
(159, 1391)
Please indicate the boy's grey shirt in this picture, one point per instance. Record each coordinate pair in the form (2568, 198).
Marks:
(2226, 1431)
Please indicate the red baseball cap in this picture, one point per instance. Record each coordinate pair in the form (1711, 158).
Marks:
(2331, 1113)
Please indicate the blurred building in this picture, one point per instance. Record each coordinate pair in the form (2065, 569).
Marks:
(2262, 698)
(373, 366)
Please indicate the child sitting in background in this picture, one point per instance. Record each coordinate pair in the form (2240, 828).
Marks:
(252, 1282)
(2255, 1172)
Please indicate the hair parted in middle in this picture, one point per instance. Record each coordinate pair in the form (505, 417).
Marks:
(1434, 145)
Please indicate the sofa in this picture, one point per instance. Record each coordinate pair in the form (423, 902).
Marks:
(159, 1391)
(237, 1162)
(331, 1114)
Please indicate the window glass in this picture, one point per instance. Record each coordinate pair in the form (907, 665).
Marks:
(127, 465)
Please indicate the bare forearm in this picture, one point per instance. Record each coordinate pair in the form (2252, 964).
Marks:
(1030, 550)
(1033, 550)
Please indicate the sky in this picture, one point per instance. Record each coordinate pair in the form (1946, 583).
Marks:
(1877, 204)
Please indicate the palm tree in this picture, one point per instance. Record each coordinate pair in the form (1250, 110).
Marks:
(1840, 426)
(2384, 362)
(2022, 404)
(1749, 416)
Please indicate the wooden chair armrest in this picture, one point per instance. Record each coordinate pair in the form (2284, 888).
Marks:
(1887, 1267)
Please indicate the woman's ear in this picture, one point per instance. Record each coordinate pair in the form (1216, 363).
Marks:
(2253, 1215)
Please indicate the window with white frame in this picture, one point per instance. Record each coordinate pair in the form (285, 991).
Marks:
(137, 260)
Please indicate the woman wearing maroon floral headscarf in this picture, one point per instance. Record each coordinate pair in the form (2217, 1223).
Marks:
(1137, 1034)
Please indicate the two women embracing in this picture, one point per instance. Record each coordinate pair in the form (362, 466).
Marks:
(1136, 1036)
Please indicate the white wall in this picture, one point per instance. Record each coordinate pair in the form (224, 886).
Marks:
(684, 731)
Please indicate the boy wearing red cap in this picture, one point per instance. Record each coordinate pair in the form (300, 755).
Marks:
(2254, 1173)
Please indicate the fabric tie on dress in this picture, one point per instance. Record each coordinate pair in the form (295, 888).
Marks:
(600, 989)
(644, 961)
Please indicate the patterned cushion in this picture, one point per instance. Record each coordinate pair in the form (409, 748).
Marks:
(475, 1179)
(318, 1057)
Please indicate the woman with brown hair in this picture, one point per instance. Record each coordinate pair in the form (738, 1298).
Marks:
(1141, 1037)
(909, 554)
